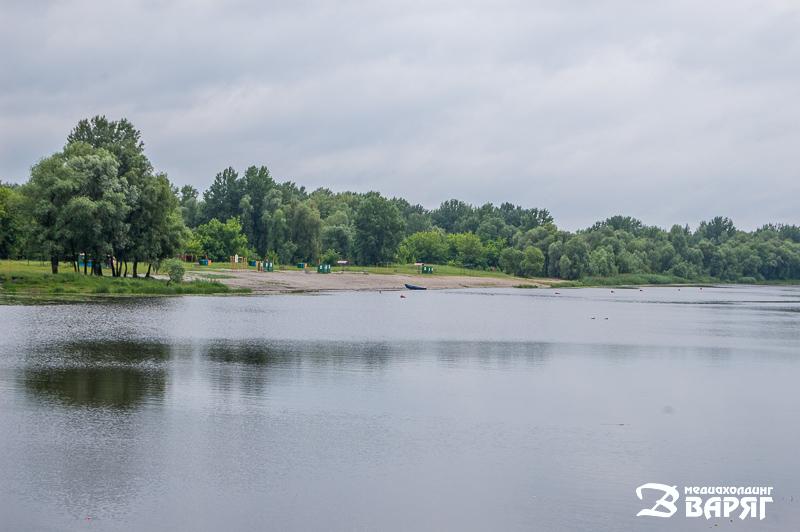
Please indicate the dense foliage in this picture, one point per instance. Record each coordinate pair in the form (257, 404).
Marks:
(97, 201)
(100, 196)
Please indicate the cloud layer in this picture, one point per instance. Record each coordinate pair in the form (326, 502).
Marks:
(668, 111)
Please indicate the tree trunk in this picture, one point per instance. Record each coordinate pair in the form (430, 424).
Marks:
(126, 269)
(147, 275)
(54, 264)
(135, 273)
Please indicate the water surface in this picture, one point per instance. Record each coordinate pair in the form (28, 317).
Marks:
(464, 410)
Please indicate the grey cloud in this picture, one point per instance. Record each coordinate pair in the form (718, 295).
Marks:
(672, 112)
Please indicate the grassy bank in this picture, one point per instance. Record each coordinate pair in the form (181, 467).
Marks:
(34, 278)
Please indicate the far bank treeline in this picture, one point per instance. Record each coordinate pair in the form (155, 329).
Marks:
(100, 196)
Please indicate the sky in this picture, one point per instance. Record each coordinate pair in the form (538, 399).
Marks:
(672, 112)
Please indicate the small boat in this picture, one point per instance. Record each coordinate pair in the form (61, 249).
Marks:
(415, 287)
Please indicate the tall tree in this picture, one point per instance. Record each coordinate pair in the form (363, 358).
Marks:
(78, 204)
(256, 205)
(305, 231)
(379, 229)
(223, 197)
(149, 205)
(190, 206)
(11, 221)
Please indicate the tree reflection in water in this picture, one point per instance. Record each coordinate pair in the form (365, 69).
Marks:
(100, 374)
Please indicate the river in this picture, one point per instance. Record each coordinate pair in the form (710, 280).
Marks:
(444, 410)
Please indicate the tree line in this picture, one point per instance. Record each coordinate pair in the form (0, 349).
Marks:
(100, 198)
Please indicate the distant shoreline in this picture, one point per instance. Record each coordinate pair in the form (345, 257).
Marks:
(291, 281)
(29, 282)
(299, 281)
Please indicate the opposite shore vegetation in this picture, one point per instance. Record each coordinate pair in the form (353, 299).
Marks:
(99, 201)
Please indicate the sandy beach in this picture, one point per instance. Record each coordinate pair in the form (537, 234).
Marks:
(308, 281)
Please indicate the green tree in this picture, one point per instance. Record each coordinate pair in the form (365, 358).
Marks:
(565, 268)
(150, 205)
(511, 260)
(454, 216)
(601, 262)
(532, 264)
(426, 246)
(222, 199)
(11, 220)
(467, 249)
(717, 230)
(220, 241)
(305, 227)
(577, 251)
(329, 257)
(120, 138)
(190, 206)
(378, 228)
(77, 202)
(259, 199)
(338, 238)
(493, 228)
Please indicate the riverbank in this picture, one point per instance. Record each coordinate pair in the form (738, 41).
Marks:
(23, 278)
(288, 281)
(33, 280)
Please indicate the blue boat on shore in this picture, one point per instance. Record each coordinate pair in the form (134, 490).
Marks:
(415, 287)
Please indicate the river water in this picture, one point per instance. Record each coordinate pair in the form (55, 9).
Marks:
(445, 410)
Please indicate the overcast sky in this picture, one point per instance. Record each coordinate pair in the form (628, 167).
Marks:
(672, 111)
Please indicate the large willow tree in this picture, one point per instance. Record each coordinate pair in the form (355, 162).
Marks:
(100, 196)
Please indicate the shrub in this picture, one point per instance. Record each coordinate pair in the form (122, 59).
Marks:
(329, 257)
(175, 270)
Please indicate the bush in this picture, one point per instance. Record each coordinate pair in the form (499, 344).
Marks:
(174, 269)
(329, 257)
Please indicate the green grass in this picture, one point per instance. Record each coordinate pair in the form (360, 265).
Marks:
(23, 278)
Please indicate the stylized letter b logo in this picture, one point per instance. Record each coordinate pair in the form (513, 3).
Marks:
(667, 501)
